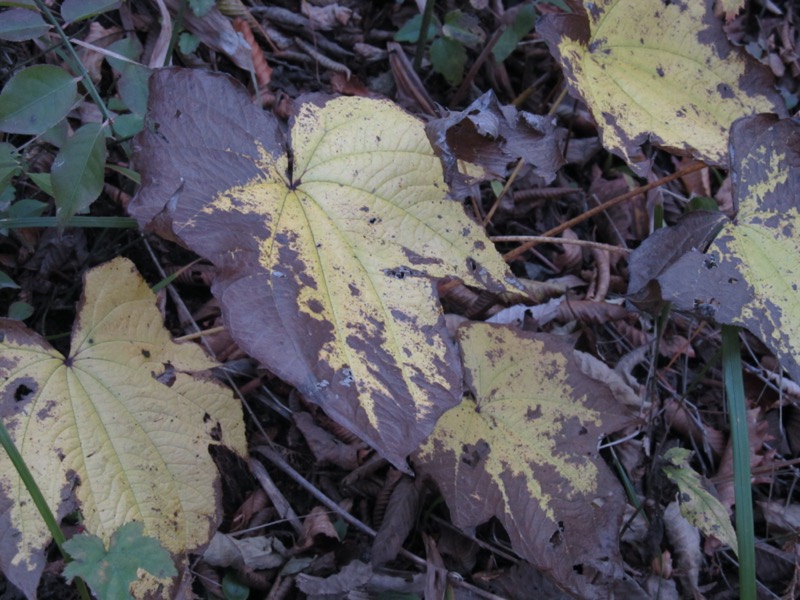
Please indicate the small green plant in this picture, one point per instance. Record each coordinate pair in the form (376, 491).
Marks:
(459, 31)
(35, 104)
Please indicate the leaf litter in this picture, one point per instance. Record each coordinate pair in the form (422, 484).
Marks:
(492, 548)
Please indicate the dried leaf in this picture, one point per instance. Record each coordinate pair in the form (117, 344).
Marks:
(485, 141)
(524, 449)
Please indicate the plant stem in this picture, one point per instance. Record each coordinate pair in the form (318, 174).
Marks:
(38, 499)
(737, 413)
(77, 64)
(427, 15)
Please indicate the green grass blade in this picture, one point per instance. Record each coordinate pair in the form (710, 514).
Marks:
(737, 411)
(38, 499)
(85, 222)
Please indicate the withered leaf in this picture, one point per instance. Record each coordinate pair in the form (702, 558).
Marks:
(326, 245)
(484, 141)
(524, 449)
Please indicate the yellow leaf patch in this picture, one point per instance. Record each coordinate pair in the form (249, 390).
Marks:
(123, 418)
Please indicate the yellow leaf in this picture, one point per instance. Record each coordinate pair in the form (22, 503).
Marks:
(662, 71)
(327, 247)
(524, 449)
(124, 418)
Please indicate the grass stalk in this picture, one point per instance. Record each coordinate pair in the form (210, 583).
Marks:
(737, 413)
(38, 500)
(427, 15)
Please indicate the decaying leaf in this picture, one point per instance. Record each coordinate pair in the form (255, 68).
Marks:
(642, 81)
(326, 249)
(99, 419)
(485, 140)
(524, 449)
(751, 272)
(699, 506)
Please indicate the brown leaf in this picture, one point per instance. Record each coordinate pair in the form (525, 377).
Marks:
(401, 516)
(490, 138)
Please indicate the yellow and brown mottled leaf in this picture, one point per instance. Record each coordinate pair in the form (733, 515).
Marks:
(326, 244)
(524, 448)
(124, 419)
(658, 71)
(750, 275)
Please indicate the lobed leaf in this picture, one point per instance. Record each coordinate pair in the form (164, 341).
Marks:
(524, 449)
(110, 572)
(123, 419)
(326, 259)
(680, 86)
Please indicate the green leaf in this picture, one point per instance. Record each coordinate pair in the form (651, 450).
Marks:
(19, 310)
(36, 98)
(697, 504)
(410, 31)
(233, 589)
(21, 24)
(10, 165)
(522, 24)
(76, 10)
(463, 28)
(7, 282)
(201, 7)
(26, 207)
(109, 573)
(43, 181)
(448, 58)
(77, 171)
(188, 42)
(132, 83)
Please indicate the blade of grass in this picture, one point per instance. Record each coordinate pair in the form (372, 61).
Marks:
(78, 221)
(737, 413)
(38, 500)
(427, 15)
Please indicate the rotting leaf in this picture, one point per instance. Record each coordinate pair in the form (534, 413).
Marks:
(485, 140)
(99, 419)
(751, 272)
(524, 449)
(642, 81)
(325, 260)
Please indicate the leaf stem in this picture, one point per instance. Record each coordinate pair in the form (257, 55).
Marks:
(427, 15)
(38, 499)
(737, 413)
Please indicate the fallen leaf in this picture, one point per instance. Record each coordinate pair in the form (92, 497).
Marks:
(698, 506)
(485, 140)
(642, 81)
(749, 275)
(100, 420)
(326, 250)
(524, 449)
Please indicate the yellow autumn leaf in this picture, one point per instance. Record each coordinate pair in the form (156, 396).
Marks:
(122, 424)
(524, 449)
(327, 245)
(659, 71)
(750, 274)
